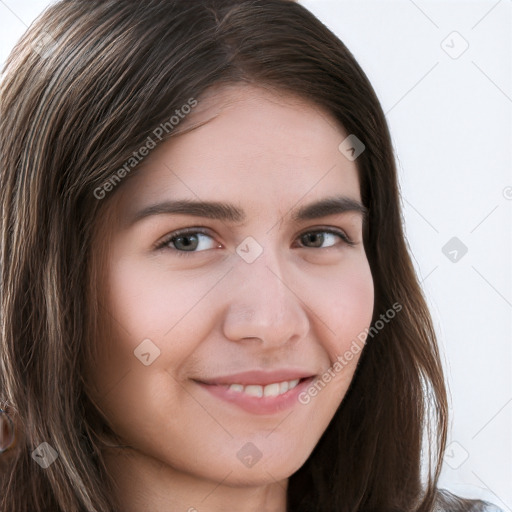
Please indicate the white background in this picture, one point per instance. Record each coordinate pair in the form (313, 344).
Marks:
(451, 124)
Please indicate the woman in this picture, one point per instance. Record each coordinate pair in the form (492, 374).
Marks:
(207, 300)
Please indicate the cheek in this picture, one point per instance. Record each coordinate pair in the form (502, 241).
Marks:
(137, 310)
(348, 307)
(147, 309)
(149, 301)
(347, 310)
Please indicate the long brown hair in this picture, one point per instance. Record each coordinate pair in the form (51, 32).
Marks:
(81, 92)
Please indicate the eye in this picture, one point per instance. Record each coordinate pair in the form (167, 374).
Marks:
(193, 240)
(188, 240)
(319, 237)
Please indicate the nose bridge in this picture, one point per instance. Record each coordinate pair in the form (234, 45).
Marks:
(262, 303)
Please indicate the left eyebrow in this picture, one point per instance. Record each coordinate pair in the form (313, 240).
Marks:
(329, 206)
(232, 213)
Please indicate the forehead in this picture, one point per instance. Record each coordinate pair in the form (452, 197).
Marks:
(251, 144)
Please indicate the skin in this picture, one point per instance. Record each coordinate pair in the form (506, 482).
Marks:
(210, 313)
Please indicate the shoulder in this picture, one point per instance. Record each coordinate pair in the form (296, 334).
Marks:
(448, 502)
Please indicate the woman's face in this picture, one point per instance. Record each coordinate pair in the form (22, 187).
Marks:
(260, 292)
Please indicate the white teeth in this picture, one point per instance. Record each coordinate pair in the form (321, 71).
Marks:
(271, 390)
(274, 389)
(293, 383)
(254, 391)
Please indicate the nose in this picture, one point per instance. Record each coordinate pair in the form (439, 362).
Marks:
(263, 303)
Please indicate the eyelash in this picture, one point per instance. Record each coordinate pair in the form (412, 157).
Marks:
(192, 231)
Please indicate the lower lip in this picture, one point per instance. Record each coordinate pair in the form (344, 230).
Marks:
(254, 404)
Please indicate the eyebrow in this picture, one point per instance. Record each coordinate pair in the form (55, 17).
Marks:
(231, 213)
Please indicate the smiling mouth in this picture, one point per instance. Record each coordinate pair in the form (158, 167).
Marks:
(268, 390)
(269, 398)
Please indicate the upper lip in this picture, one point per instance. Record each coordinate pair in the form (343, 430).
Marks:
(259, 377)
